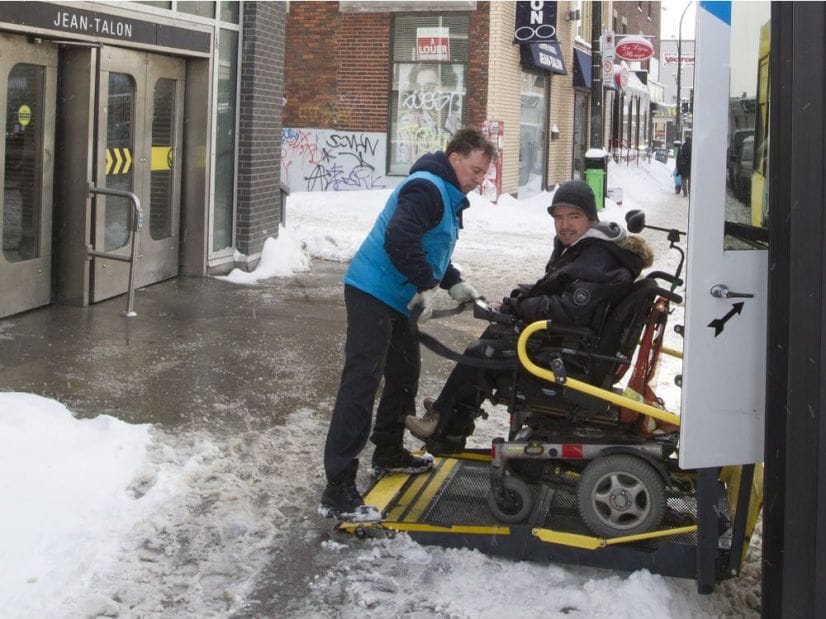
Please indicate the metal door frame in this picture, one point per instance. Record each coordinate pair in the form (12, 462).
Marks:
(109, 277)
(35, 274)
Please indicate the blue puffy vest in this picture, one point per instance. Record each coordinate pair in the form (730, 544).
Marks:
(371, 269)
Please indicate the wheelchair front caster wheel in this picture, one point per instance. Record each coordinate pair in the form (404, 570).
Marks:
(512, 502)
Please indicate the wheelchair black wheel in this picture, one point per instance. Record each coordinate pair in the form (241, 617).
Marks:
(512, 502)
(619, 495)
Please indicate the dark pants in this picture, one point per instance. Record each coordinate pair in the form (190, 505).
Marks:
(466, 386)
(379, 344)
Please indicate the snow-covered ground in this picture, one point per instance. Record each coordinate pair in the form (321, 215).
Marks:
(101, 517)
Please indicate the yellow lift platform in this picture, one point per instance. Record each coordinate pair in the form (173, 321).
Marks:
(448, 507)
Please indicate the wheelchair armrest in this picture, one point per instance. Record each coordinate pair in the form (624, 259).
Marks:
(481, 309)
(671, 279)
(671, 296)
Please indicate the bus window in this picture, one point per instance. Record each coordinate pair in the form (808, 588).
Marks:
(748, 128)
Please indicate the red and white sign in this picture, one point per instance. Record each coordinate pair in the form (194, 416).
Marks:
(672, 59)
(621, 76)
(634, 47)
(433, 44)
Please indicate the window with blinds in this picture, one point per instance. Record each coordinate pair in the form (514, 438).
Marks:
(428, 102)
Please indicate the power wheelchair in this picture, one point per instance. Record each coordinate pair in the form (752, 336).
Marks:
(574, 420)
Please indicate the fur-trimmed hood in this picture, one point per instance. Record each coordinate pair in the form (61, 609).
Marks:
(615, 233)
(639, 246)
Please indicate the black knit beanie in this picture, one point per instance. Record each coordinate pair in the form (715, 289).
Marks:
(577, 194)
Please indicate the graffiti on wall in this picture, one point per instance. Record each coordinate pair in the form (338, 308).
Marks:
(329, 160)
(430, 110)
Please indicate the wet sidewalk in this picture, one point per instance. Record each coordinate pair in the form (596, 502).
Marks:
(245, 375)
(194, 344)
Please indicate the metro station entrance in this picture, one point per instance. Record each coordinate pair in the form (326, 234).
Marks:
(78, 117)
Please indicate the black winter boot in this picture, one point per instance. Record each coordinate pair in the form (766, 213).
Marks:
(443, 446)
(396, 459)
(341, 496)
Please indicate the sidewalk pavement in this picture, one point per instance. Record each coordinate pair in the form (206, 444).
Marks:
(240, 363)
(196, 345)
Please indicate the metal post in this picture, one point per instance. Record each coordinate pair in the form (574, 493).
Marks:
(137, 225)
(679, 74)
(597, 134)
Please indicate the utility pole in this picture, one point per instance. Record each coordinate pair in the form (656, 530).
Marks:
(680, 74)
(596, 75)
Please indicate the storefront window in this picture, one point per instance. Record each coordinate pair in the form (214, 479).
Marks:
(533, 122)
(225, 140)
(580, 144)
(429, 98)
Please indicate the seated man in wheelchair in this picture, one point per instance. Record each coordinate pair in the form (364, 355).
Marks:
(592, 265)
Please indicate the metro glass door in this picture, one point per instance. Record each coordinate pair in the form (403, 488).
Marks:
(139, 133)
(28, 77)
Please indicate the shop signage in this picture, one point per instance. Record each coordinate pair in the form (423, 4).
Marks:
(634, 47)
(543, 56)
(96, 24)
(549, 57)
(433, 44)
(672, 59)
(535, 22)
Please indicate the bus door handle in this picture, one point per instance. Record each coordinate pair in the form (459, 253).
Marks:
(721, 291)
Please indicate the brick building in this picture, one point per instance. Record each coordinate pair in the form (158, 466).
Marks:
(370, 86)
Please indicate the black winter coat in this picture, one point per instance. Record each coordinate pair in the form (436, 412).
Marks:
(683, 163)
(581, 279)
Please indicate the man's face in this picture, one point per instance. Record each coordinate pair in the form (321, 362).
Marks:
(570, 223)
(470, 169)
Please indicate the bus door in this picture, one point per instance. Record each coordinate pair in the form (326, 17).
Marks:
(724, 365)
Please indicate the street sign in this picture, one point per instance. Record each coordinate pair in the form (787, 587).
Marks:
(607, 47)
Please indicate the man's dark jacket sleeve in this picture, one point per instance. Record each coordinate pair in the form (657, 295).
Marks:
(419, 210)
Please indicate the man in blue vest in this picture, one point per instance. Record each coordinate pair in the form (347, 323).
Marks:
(402, 263)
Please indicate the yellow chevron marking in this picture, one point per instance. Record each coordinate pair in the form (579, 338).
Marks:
(118, 161)
(108, 161)
(127, 161)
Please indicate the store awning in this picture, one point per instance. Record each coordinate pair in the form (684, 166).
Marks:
(582, 69)
(543, 56)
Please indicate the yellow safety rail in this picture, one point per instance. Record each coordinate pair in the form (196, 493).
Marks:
(589, 542)
(578, 385)
(672, 352)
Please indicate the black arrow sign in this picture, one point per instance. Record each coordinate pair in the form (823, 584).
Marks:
(719, 323)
